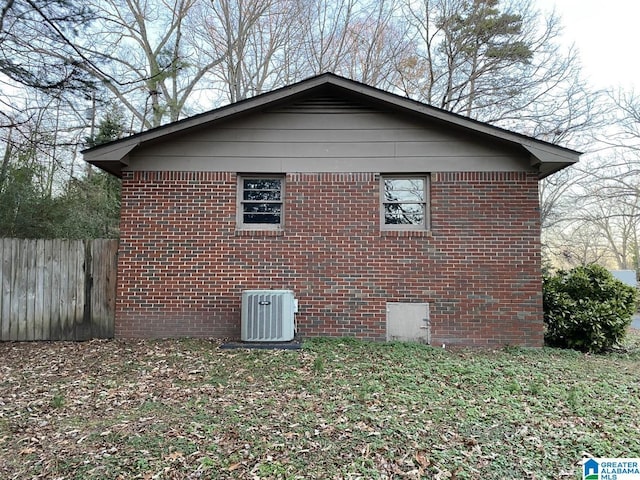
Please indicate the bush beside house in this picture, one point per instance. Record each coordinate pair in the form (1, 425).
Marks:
(587, 309)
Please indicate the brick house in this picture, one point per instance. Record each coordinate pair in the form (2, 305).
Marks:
(376, 210)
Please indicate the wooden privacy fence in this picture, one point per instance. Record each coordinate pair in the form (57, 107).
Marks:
(57, 289)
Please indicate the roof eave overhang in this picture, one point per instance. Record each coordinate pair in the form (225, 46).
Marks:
(550, 160)
(547, 158)
(113, 157)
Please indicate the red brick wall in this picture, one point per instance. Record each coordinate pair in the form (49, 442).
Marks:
(183, 265)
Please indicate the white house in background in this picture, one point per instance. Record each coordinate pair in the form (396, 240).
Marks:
(626, 276)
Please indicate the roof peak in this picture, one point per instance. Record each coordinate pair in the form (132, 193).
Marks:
(550, 157)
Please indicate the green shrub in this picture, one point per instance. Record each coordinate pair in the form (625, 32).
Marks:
(587, 309)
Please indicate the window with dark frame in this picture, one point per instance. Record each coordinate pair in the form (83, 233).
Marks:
(260, 202)
(404, 202)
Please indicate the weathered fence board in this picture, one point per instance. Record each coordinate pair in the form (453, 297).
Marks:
(5, 284)
(103, 300)
(57, 289)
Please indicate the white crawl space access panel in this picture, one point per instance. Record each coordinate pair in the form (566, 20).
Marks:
(408, 322)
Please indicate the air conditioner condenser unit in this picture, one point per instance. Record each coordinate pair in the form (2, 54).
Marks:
(268, 316)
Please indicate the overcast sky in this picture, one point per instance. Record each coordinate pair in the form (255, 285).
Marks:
(607, 35)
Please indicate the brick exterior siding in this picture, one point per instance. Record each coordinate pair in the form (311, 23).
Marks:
(182, 265)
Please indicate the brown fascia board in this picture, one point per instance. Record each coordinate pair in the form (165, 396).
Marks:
(547, 156)
(108, 153)
(112, 156)
(550, 160)
(243, 106)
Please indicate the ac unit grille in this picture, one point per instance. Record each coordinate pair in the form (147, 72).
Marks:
(268, 316)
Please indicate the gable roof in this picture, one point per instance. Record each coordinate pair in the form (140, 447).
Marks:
(547, 157)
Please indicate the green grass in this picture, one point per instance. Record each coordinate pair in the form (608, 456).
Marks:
(338, 409)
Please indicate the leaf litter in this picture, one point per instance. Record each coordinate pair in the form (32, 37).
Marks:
(337, 409)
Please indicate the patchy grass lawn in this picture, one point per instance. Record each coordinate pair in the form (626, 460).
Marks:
(335, 410)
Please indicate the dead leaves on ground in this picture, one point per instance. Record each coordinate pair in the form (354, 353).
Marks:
(175, 409)
(185, 409)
